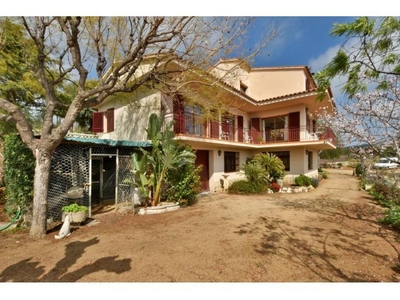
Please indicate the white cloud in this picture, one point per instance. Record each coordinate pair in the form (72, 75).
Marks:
(318, 63)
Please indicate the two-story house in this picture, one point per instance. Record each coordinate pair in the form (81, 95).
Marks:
(271, 109)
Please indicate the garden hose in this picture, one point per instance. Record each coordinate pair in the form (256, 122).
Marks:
(13, 221)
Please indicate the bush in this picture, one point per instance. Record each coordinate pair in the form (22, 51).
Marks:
(19, 168)
(272, 164)
(314, 182)
(386, 194)
(255, 172)
(359, 170)
(392, 217)
(244, 187)
(302, 180)
(183, 184)
(324, 175)
(274, 186)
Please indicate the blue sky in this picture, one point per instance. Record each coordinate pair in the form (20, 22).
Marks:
(301, 41)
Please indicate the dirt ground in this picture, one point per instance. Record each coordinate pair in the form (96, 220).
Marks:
(330, 234)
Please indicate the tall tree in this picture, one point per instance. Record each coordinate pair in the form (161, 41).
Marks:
(113, 50)
(369, 64)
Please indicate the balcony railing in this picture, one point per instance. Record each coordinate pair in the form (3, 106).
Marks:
(227, 131)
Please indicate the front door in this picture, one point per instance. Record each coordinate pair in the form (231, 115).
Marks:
(202, 159)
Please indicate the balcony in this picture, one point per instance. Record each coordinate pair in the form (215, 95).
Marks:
(189, 126)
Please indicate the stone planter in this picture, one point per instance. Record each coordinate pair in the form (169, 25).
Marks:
(159, 209)
(75, 217)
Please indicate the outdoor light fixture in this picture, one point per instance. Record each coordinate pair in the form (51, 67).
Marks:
(219, 152)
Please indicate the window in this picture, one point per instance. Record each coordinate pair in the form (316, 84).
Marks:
(228, 123)
(274, 128)
(284, 157)
(231, 161)
(193, 123)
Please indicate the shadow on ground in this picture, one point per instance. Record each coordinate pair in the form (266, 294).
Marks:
(73, 251)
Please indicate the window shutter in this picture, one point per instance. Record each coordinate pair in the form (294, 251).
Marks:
(97, 122)
(255, 128)
(110, 120)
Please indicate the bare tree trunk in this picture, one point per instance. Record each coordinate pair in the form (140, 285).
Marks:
(41, 183)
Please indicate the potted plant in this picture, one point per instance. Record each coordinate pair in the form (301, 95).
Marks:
(77, 213)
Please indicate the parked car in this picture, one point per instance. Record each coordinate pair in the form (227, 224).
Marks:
(387, 163)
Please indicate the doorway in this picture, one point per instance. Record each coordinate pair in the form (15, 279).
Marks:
(103, 188)
(202, 159)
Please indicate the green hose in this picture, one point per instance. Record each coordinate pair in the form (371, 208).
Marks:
(13, 221)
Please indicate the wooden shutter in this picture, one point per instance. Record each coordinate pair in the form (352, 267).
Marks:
(294, 126)
(97, 122)
(240, 128)
(255, 128)
(110, 120)
(179, 115)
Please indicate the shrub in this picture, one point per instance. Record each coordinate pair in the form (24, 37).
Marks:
(324, 175)
(256, 173)
(302, 180)
(314, 182)
(19, 168)
(183, 184)
(386, 194)
(359, 170)
(272, 164)
(244, 187)
(392, 217)
(274, 186)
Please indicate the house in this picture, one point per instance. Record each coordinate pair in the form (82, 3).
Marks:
(270, 109)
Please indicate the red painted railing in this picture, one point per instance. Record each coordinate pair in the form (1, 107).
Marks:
(195, 126)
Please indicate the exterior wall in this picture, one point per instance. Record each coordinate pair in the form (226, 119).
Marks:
(262, 83)
(131, 116)
(220, 180)
(232, 73)
(269, 83)
(283, 111)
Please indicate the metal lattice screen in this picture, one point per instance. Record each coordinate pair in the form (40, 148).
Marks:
(69, 168)
(124, 176)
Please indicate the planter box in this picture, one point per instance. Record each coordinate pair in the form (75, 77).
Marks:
(164, 207)
(75, 217)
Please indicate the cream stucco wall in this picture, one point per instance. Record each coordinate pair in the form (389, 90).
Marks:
(131, 116)
(218, 178)
(232, 72)
(262, 83)
(269, 83)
